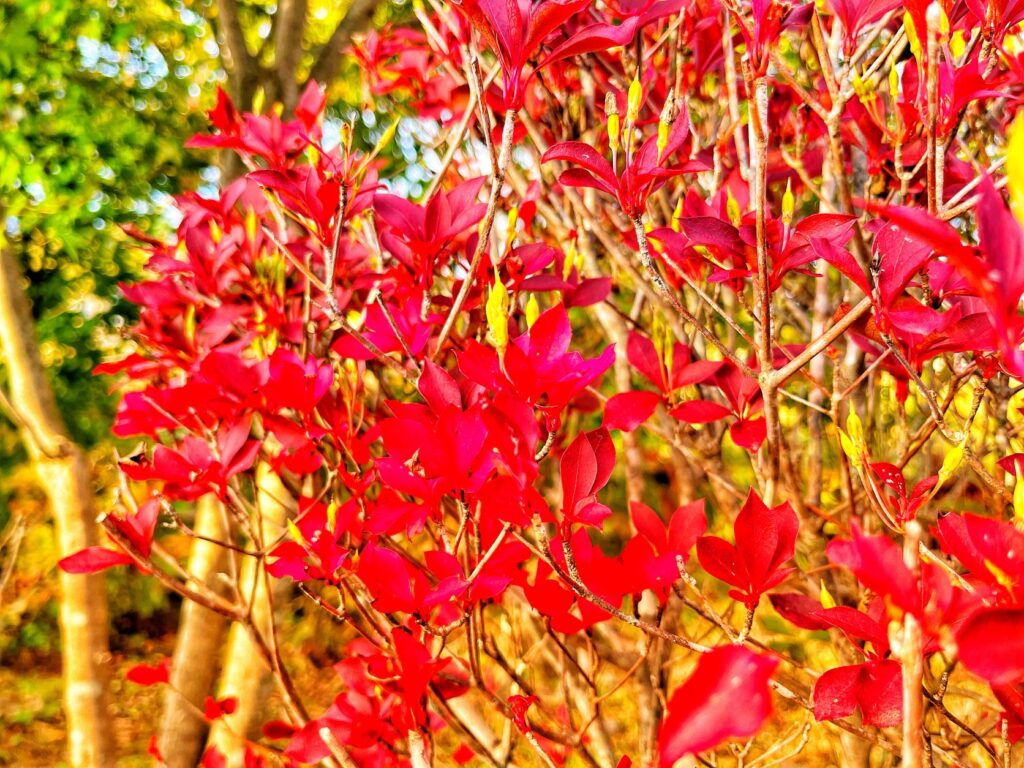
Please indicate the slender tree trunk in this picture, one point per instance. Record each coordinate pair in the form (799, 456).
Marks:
(245, 676)
(201, 635)
(65, 477)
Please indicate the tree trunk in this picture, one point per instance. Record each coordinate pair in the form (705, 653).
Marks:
(200, 639)
(245, 676)
(66, 479)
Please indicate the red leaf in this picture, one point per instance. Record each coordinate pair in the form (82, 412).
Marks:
(438, 388)
(146, 674)
(835, 693)
(153, 749)
(579, 471)
(726, 697)
(799, 610)
(749, 433)
(877, 563)
(278, 729)
(648, 525)
(93, 560)
(596, 37)
(700, 411)
(991, 645)
(628, 410)
(588, 158)
(214, 709)
(688, 524)
(643, 356)
(463, 754)
(519, 706)
(881, 693)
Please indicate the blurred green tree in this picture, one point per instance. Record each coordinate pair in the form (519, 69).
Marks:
(96, 99)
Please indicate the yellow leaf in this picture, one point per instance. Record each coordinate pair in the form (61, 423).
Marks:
(1015, 167)
(497, 314)
(788, 204)
(295, 533)
(950, 464)
(634, 99)
(532, 310)
(827, 601)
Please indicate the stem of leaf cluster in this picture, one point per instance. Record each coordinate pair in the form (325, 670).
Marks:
(748, 624)
(935, 166)
(497, 181)
(912, 659)
(417, 750)
(662, 288)
(763, 293)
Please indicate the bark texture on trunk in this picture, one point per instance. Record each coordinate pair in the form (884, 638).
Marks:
(65, 477)
(201, 634)
(245, 675)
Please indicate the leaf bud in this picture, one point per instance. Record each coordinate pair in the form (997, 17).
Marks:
(532, 310)
(732, 207)
(677, 216)
(497, 314)
(788, 204)
(634, 99)
(668, 117)
(611, 112)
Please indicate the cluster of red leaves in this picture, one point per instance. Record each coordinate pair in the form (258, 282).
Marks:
(296, 323)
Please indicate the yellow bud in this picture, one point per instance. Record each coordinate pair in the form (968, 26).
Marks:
(670, 349)
(510, 230)
(258, 100)
(190, 322)
(570, 260)
(827, 601)
(858, 85)
(957, 44)
(332, 516)
(951, 463)
(497, 314)
(634, 99)
(578, 262)
(894, 83)
(216, 233)
(855, 427)
(295, 533)
(852, 440)
(532, 310)
(788, 205)
(658, 335)
(1018, 499)
(668, 117)
(250, 224)
(677, 215)
(385, 138)
(664, 129)
(733, 208)
(915, 41)
(1015, 167)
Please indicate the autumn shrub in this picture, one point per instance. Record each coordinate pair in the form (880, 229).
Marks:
(660, 408)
